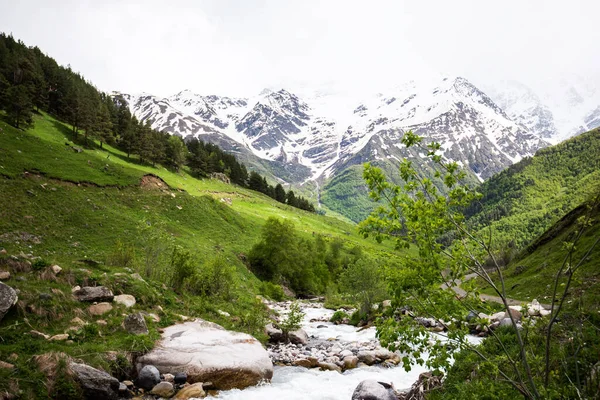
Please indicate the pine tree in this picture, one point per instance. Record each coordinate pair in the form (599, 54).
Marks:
(19, 105)
(175, 152)
(104, 125)
(280, 193)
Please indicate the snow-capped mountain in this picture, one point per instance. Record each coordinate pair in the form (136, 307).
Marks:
(322, 132)
(556, 112)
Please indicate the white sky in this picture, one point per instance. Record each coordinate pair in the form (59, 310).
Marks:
(238, 47)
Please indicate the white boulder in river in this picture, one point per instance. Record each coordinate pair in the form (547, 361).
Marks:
(207, 352)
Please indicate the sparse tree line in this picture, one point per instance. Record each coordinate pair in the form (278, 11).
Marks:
(31, 81)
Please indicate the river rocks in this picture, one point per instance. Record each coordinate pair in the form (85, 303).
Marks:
(350, 362)
(373, 390)
(8, 298)
(367, 357)
(126, 300)
(163, 389)
(148, 377)
(298, 336)
(4, 275)
(275, 334)
(499, 316)
(305, 362)
(193, 391)
(508, 322)
(207, 352)
(180, 378)
(516, 314)
(328, 366)
(95, 384)
(534, 308)
(100, 308)
(135, 324)
(93, 293)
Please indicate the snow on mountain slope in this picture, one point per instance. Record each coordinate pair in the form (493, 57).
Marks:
(323, 131)
(556, 112)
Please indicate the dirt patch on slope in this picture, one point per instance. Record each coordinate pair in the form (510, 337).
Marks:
(153, 182)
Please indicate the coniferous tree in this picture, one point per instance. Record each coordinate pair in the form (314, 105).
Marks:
(280, 193)
(104, 126)
(175, 152)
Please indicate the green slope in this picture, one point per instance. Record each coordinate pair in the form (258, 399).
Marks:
(531, 274)
(524, 200)
(60, 206)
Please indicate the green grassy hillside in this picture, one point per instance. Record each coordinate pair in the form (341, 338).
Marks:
(531, 274)
(102, 218)
(526, 199)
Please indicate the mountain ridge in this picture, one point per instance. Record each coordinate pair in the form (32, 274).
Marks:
(280, 126)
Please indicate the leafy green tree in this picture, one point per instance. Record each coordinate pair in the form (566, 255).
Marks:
(416, 213)
(292, 321)
(364, 281)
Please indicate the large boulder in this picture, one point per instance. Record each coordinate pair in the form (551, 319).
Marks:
(95, 384)
(373, 390)
(207, 352)
(94, 293)
(8, 298)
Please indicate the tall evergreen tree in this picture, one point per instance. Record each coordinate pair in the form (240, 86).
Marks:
(280, 193)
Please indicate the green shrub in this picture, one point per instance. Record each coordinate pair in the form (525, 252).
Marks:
(181, 268)
(271, 291)
(357, 316)
(293, 320)
(213, 279)
(338, 316)
(122, 256)
(40, 264)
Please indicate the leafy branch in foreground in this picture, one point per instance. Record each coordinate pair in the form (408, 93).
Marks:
(417, 214)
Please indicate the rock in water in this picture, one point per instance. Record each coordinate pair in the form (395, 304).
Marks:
(206, 352)
(135, 324)
(8, 298)
(180, 378)
(275, 335)
(163, 389)
(95, 384)
(298, 336)
(193, 391)
(373, 390)
(94, 293)
(148, 377)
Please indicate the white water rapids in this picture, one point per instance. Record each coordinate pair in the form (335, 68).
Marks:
(291, 383)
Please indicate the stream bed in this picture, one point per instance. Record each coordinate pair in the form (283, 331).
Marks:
(290, 382)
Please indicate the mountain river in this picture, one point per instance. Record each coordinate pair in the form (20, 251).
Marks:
(298, 383)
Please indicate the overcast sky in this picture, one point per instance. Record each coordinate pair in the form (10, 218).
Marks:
(239, 47)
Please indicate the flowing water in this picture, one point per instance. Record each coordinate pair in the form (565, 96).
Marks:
(291, 383)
